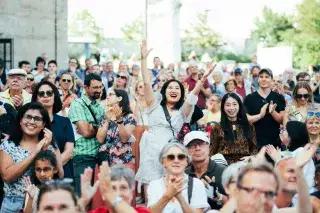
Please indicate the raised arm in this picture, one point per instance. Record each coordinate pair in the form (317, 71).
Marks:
(149, 95)
(187, 104)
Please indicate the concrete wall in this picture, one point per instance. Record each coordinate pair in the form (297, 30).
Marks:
(31, 23)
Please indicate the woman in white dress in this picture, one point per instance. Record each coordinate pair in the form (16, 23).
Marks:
(160, 130)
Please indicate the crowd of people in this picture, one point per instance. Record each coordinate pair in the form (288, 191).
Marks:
(132, 139)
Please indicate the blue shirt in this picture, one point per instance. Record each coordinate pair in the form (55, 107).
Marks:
(62, 131)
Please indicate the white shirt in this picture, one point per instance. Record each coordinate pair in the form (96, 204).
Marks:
(198, 200)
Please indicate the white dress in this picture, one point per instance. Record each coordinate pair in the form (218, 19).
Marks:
(157, 136)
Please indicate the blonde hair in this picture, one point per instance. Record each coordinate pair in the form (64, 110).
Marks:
(115, 86)
(301, 85)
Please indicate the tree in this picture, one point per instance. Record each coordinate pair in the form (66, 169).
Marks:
(134, 30)
(201, 35)
(270, 29)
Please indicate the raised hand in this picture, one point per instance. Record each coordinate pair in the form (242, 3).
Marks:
(117, 112)
(48, 137)
(105, 186)
(306, 155)
(30, 188)
(87, 190)
(208, 72)
(144, 49)
(275, 154)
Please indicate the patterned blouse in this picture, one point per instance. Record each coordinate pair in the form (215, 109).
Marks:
(232, 151)
(18, 154)
(118, 152)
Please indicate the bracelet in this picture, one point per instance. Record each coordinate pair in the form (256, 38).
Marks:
(119, 122)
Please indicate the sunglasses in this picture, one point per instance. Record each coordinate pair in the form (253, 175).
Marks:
(300, 96)
(30, 79)
(66, 80)
(122, 77)
(311, 114)
(48, 93)
(36, 119)
(172, 157)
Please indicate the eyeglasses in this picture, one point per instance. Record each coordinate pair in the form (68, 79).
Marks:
(172, 157)
(300, 96)
(311, 114)
(122, 77)
(196, 144)
(36, 119)
(66, 80)
(30, 79)
(269, 195)
(48, 93)
(110, 94)
(282, 129)
(45, 170)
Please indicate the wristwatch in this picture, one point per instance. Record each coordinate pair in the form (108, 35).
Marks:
(116, 201)
(219, 202)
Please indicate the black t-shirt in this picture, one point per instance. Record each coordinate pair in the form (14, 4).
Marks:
(316, 194)
(267, 129)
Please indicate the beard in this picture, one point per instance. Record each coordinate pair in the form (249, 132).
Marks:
(95, 96)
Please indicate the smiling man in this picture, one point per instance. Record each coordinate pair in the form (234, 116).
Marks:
(266, 110)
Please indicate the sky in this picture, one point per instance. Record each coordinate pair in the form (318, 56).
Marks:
(233, 19)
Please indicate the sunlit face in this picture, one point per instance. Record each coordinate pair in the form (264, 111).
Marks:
(44, 170)
(162, 80)
(110, 67)
(28, 68)
(217, 78)
(94, 90)
(230, 86)
(135, 71)
(198, 150)
(30, 80)
(52, 67)
(313, 126)
(57, 201)
(122, 189)
(231, 108)
(213, 103)
(40, 66)
(112, 98)
(73, 63)
(181, 77)
(177, 165)
(255, 200)
(157, 62)
(95, 69)
(255, 72)
(32, 122)
(170, 76)
(16, 82)
(287, 174)
(173, 92)
(302, 96)
(121, 80)
(284, 136)
(88, 63)
(46, 96)
(66, 81)
(140, 89)
(265, 81)
(52, 78)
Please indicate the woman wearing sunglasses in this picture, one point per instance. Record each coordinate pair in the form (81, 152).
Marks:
(302, 103)
(30, 83)
(48, 95)
(67, 90)
(32, 134)
(176, 191)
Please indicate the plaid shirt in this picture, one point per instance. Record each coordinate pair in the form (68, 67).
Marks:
(80, 112)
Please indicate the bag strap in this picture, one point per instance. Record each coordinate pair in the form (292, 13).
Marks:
(190, 188)
(168, 118)
(91, 112)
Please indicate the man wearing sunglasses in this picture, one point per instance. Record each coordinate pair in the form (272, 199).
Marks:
(204, 168)
(16, 96)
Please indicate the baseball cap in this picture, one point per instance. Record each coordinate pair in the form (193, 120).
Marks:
(267, 71)
(195, 135)
(17, 72)
(238, 70)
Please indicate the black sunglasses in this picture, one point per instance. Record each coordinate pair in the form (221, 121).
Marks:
(48, 93)
(299, 96)
(172, 157)
(66, 80)
(30, 79)
(122, 77)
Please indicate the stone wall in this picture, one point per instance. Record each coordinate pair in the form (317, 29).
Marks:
(31, 23)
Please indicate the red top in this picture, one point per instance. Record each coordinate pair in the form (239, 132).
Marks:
(201, 97)
(140, 209)
(241, 91)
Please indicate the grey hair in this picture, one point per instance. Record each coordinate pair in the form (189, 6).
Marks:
(217, 72)
(231, 172)
(135, 66)
(174, 143)
(119, 171)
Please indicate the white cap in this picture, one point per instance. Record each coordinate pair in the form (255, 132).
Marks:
(195, 135)
(17, 72)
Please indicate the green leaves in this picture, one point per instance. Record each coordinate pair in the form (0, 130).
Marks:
(134, 30)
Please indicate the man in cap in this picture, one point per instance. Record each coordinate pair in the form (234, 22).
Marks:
(266, 109)
(15, 95)
(243, 86)
(203, 167)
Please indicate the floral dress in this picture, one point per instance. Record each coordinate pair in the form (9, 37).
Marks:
(117, 151)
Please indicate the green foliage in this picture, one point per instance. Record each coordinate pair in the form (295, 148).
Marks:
(233, 56)
(201, 35)
(134, 30)
(84, 25)
(301, 31)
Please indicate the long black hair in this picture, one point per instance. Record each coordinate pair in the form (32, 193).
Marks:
(179, 103)
(57, 103)
(298, 134)
(44, 155)
(16, 127)
(242, 120)
(124, 103)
